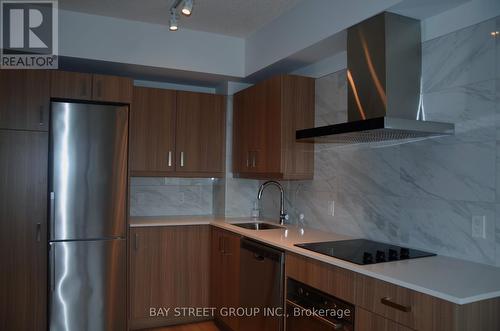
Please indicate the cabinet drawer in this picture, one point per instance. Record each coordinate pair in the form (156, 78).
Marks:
(327, 278)
(367, 321)
(404, 306)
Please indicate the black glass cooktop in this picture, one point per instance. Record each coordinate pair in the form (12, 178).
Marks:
(363, 251)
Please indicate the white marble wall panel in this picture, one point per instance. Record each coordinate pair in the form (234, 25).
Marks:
(170, 196)
(445, 227)
(459, 58)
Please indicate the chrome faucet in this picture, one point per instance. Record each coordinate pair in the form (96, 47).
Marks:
(283, 214)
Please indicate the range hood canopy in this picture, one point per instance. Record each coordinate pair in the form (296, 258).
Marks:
(384, 61)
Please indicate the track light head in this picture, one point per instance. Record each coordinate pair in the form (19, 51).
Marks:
(173, 26)
(187, 7)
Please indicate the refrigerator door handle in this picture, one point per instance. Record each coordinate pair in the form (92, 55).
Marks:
(52, 265)
(52, 211)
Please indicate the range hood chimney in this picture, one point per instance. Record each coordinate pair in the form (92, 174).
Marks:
(384, 60)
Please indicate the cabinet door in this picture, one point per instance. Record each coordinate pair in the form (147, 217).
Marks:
(200, 135)
(225, 275)
(231, 276)
(240, 151)
(24, 99)
(152, 132)
(257, 130)
(111, 88)
(23, 201)
(169, 268)
(216, 270)
(71, 85)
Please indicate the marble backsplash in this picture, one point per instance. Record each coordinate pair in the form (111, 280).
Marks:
(420, 194)
(152, 196)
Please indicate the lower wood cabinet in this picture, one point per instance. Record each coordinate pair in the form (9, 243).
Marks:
(23, 230)
(225, 276)
(335, 281)
(382, 306)
(169, 268)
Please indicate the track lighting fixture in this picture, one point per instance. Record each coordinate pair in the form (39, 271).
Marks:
(187, 8)
(173, 21)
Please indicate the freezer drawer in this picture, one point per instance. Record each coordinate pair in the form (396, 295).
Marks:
(88, 171)
(88, 285)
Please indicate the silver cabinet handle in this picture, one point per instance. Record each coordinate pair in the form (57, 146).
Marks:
(182, 159)
(169, 158)
(38, 235)
(248, 159)
(254, 159)
(41, 116)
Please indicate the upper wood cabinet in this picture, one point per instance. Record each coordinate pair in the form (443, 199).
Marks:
(71, 85)
(200, 133)
(152, 131)
(266, 117)
(169, 268)
(225, 276)
(176, 133)
(82, 86)
(23, 229)
(24, 99)
(111, 88)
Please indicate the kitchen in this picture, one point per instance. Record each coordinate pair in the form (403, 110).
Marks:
(234, 169)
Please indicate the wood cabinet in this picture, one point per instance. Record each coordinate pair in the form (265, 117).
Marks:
(71, 85)
(382, 306)
(23, 229)
(169, 268)
(200, 133)
(24, 99)
(176, 133)
(111, 88)
(265, 119)
(92, 87)
(327, 278)
(152, 131)
(225, 275)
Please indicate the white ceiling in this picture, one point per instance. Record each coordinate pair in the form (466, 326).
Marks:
(237, 18)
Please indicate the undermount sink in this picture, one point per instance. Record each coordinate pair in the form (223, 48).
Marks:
(257, 226)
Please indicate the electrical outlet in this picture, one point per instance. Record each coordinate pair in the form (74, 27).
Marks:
(479, 227)
(331, 208)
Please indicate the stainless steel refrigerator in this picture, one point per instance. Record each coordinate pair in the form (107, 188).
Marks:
(88, 195)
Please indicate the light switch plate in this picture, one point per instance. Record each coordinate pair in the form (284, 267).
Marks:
(479, 227)
(331, 208)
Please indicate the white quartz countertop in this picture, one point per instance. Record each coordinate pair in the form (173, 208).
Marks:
(450, 279)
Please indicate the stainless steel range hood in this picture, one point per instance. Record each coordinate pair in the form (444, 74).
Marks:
(384, 60)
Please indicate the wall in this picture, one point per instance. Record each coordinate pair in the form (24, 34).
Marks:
(420, 194)
(132, 42)
(170, 196)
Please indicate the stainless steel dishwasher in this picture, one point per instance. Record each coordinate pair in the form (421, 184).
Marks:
(261, 286)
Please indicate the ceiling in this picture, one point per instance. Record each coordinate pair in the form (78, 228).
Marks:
(238, 18)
